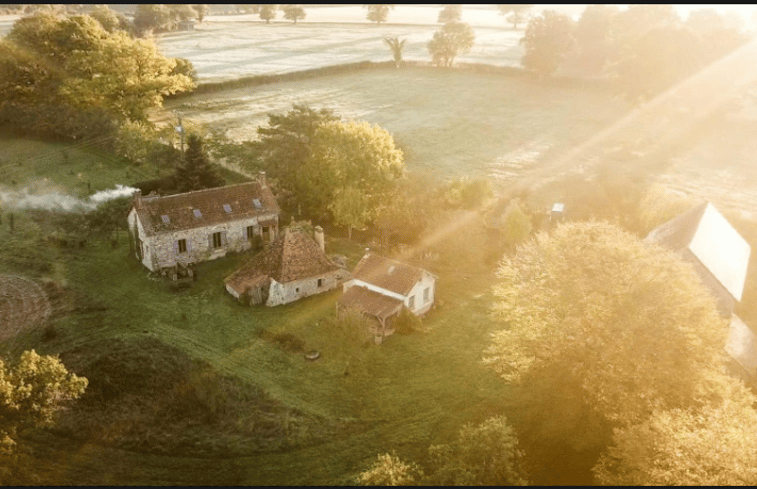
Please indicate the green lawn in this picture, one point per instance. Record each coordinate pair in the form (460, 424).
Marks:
(413, 391)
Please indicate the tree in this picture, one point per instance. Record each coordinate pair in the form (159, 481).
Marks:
(69, 76)
(645, 330)
(202, 10)
(152, 17)
(518, 13)
(181, 12)
(712, 446)
(389, 470)
(485, 455)
(31, 391)
(349, 154)
(106, 17)
(452, 39)
(450, 13)
(284, 145)
(593, 36)
(378, 13)
(396, 46)
(548, 38)
(294, 13)
(350, 208)
(267, 12)
(516, 225)
(195, 172)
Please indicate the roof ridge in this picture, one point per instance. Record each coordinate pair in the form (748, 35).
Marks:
(205, 190)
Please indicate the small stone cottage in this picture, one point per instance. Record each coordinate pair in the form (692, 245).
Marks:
(292, 267)
(202, 225)
(381, 287)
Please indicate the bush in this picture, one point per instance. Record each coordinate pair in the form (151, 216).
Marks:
(407, 322)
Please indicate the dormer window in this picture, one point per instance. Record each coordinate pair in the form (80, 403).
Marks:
(257, 203)
(197, 213)
(391, 269)
(165, 219)
(227, 207)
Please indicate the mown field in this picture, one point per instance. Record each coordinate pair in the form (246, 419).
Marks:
(332, 415)
(448, 122)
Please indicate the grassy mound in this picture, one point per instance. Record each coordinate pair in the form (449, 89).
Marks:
(150, 397)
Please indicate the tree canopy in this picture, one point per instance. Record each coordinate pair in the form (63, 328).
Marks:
(69, 76)
(31, 390)
(267, 12)
(517, 13)
(378, 13)
(294, 13)
(450, 13)
(548, 38)
(452, 39)
(195, 172)
(629, 323)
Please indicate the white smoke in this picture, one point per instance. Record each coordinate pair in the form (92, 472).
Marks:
(28, 198)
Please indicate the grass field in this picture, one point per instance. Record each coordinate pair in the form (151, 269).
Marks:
(451, 123)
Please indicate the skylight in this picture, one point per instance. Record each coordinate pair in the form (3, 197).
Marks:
(227, 207)
(197, 213)
(165, 218)
(257, 203)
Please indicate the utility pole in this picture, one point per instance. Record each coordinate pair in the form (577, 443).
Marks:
(180, 130)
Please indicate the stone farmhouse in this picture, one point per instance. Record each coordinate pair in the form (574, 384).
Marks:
(720, 257)
(202, 225)
(718, 253)
(381, 287)
(292, 267)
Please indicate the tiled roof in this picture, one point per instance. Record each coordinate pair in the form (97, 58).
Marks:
(369, 302)
(712, 240)
(292, 256)
(179, 210)
(388, 274)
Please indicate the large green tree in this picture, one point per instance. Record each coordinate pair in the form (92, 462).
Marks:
(349, 155)
(593, 36)
(450, 13)
(378, 13)
(712, 446)
(195, 172)
(267, 12)
(284, 145)
(31, 390)
(294, 12)
(69, 76)
(548, 39)
(600, 330)
(452, 39)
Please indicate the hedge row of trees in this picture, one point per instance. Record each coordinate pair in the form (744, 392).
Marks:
(645, 49)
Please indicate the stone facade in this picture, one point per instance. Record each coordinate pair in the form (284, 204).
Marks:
(163, 250)
(285, 293)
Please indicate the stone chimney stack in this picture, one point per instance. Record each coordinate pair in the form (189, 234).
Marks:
(261, 180)
(136, 198)
(319, 238)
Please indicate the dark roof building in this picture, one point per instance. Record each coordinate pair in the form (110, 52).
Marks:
(381, 287)
(292, 267)
(168, 231)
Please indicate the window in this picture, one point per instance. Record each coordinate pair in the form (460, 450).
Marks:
(411, 302)
(265, 229)
(227, 207)
(320, 282)
(197, 213)
(216, 240)
(426, 293)
(165, 219)
(257, 203)
(250, 232)
(296, 290)
(182, 246)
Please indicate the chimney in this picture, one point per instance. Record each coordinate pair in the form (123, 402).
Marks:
(319, 238)
(137, 198)
(261, 179)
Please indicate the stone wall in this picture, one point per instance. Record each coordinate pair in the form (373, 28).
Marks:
(297, 289)
(164, 251)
